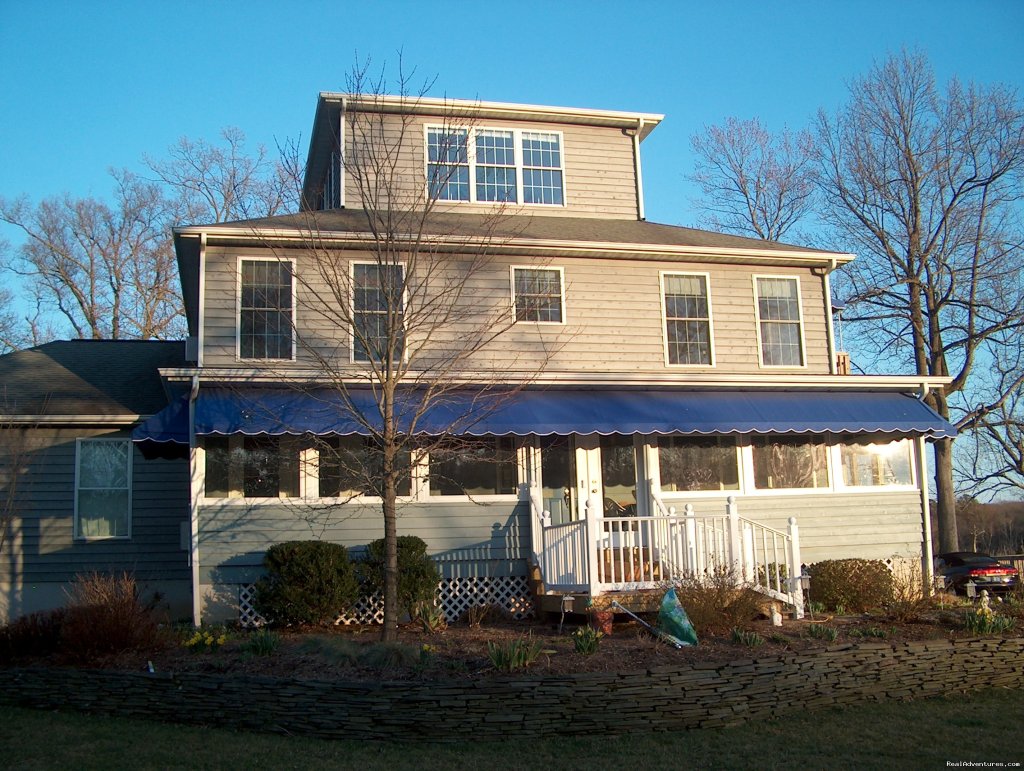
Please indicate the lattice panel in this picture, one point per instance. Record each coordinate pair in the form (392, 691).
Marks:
(454, 595)
(457, 595)
(247, 615)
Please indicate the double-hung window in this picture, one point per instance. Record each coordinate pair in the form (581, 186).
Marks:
(687, 319)
(266, 309)
(779, 324)
(103, 488)
(542, 168)
(495, 165)
(448, 164)
(378, 312)
(537, 295)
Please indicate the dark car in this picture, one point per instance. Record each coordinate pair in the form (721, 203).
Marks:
(960, 568)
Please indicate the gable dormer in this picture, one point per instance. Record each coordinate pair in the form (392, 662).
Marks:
(475, 156)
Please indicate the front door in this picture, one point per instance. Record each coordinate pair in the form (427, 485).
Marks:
(606, 474)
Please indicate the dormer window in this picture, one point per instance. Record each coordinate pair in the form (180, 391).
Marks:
(491, 165)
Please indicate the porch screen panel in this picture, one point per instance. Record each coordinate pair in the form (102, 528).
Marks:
(618, 473)
(698, 464)
(789, 463)
(475, 467)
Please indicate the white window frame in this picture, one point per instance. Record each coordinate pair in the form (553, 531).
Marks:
(839, 482)
(352, 306)
(799, 322)
(655, 458)
(312, 481)
(236, 475)
(238, 306)
(471, 162)
(561, 287)
(77, 534)
(522, 472)
(664, 319)
(748, 470)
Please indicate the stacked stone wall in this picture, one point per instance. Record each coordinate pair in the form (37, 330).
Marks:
(661, 698)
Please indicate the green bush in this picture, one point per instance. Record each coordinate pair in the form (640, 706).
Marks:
(856, 585)
(418, 576)
(307, 582)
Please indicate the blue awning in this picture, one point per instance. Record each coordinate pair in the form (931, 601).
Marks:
(569, 411)
(168, 425)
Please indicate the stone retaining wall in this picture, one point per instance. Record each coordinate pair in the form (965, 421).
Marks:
(662, 698)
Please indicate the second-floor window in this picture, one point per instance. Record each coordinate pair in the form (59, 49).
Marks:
(266, 309)
(537, 295)
(779, 323)
(491, 165)
(687, 319)
(378, 312)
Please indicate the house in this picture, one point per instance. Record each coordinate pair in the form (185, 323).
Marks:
(633, 401)
(76, 493)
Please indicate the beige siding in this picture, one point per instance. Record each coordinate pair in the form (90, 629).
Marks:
(599, 172)
(613, 317)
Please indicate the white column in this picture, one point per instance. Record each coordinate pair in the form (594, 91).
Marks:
(795, 586)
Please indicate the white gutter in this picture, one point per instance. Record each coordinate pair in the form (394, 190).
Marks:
(691, 381)
(71, 420)
(425, 105)
(603, 248)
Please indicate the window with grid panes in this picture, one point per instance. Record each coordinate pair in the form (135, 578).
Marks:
(495, 166)
(687, 319)
(265, 310)
(542, 168)
(538, 295)
(778, 309)
(448, 164)
(378, 312)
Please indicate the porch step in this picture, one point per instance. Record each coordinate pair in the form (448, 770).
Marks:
(637, 601)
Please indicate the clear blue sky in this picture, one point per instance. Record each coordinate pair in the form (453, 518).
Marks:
(89, 85)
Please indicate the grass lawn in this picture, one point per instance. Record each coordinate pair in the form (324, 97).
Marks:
(983, 727)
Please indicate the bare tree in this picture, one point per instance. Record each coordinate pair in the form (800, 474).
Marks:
(925, 187)
(992, 462)
(108, 270)
(753, 183)
(411, 299)
(212, 183)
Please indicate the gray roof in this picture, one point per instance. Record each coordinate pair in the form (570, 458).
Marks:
(87, 377)
(511, 226)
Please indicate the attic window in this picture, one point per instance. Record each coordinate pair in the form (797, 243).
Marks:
(494, 165)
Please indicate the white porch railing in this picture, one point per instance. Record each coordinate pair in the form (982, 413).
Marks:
(626, 553)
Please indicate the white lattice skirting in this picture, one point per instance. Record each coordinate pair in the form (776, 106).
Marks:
(454, 595)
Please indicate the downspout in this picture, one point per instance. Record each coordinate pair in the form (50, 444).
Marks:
(341, 152)
(201, 320)
(640, 215)
(195, 486)
(826, 283)
(926, 514)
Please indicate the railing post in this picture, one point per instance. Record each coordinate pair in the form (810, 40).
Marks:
(795, 586)
(691, 539)
(735, 545)
(592, 526)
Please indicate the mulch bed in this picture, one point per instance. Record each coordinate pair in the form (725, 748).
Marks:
(461, 652)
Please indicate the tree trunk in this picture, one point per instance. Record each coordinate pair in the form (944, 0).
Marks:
(946, 498)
